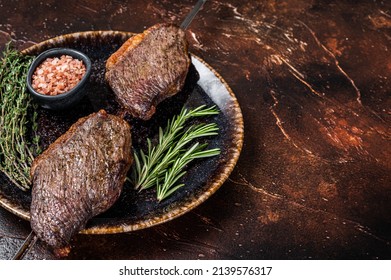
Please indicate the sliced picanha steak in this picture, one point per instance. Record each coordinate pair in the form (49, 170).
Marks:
(79, 176)
(148, 68)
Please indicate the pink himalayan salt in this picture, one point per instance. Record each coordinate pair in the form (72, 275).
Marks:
(58, 75)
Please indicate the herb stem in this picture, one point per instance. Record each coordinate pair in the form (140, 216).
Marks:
(16, 151)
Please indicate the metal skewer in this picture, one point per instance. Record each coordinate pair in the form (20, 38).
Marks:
(26, 247)
(186, 22)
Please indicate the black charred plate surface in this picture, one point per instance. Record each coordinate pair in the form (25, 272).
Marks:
(136, 210)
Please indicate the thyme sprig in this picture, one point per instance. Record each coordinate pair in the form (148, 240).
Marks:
(164, 164)
(16, 152)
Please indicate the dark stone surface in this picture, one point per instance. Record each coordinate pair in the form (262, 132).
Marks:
(313, 79)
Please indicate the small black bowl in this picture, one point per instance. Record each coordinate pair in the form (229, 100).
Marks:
(67, 99)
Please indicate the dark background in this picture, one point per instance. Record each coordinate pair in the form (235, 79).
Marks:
(313, 81)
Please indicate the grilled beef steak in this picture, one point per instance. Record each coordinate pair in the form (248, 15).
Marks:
(79, 176)
(148, 68)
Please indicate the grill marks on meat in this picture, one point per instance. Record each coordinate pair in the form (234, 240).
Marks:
(79, 176)
(148, 68)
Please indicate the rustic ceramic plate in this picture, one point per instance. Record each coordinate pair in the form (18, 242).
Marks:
(136, 210)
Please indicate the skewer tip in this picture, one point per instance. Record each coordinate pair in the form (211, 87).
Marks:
(26, 246)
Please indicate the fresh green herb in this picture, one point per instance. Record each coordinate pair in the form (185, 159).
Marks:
(163, 165)
(16, 152)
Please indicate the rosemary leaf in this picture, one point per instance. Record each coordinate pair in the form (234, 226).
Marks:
(177, 170)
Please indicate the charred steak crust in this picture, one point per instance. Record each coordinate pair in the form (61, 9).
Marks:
(148, 68)
(79, 176)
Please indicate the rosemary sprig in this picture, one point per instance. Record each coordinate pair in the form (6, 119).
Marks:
(16, 152)
(163, 165)
(176, 171)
